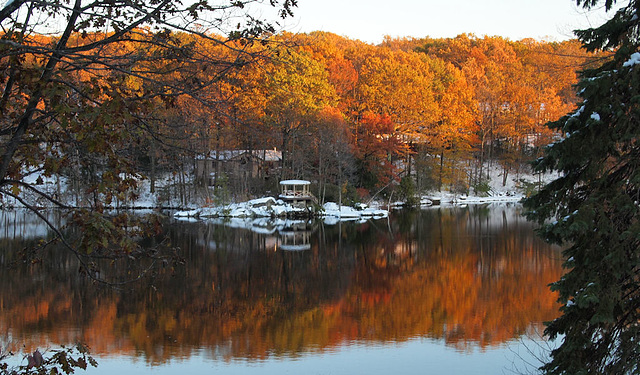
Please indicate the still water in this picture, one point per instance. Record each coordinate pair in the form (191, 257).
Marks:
(454, 290)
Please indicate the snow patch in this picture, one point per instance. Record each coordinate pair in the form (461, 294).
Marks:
(190, 213)
(344, 212)
(633, 60)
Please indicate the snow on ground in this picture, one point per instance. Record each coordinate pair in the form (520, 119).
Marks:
(513, 189)
(515, 182)
(269, 207)
(331, 209)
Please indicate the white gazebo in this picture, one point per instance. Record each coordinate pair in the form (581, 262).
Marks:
(295, 191)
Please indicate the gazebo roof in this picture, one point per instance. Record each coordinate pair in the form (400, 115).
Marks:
(295, 182)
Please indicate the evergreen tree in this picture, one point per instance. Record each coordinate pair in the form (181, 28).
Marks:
(593, 209)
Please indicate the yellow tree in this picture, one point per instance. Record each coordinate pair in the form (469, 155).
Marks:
(297, 88)
(494, 74)
(331, 50)
(397, 86)
(453, 136)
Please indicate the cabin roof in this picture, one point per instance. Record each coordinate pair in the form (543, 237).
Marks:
(228, 155)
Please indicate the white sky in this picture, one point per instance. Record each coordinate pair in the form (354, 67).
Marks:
(371, 20)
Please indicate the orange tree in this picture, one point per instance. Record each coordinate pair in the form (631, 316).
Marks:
(394, 96)
(452, 137)
(516, 87)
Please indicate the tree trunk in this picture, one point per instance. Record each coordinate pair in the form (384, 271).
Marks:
(441, 169)
(285, 143)
(505, 173)
(153, 166)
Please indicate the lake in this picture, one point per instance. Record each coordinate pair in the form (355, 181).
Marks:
(443, 290)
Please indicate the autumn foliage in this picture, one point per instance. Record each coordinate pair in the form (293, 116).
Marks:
(434, 109)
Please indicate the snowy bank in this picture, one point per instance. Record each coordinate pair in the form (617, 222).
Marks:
(331, 209)
(269, 207)
(439, 199)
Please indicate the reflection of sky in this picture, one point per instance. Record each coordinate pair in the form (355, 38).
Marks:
(417, 356)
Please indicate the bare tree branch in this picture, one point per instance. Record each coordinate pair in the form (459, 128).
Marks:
(10, 7)
(37, 191)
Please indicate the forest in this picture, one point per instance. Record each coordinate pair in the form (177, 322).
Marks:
(408, 115)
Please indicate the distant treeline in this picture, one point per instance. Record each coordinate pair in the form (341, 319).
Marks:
(350, 116)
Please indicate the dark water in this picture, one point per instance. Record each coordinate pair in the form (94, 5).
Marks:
(455, 290)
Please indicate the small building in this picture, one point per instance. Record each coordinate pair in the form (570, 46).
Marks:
(239, 165)
(296, 192)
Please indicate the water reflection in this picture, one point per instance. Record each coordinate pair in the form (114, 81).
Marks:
(284, 234)
(473, 277)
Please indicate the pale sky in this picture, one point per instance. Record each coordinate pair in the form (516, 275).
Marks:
(371, 20)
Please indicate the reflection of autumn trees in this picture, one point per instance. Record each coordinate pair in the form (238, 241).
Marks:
(459, 289)
(467, 276)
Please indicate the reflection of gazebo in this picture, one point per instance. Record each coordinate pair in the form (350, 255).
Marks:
(296, 192)
(295, 241)
(295, 236)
